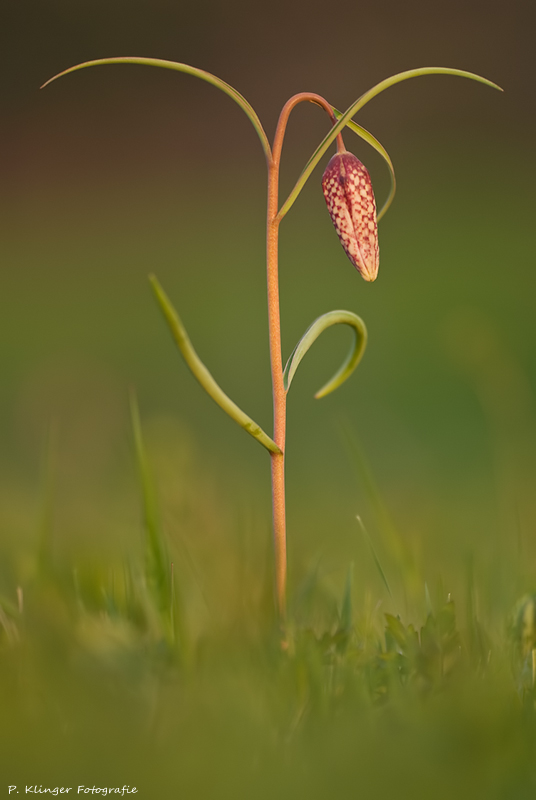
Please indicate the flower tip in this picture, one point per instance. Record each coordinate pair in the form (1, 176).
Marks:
(369, 277)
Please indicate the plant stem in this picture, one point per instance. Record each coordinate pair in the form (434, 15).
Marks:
(278, 391)
(274, 323)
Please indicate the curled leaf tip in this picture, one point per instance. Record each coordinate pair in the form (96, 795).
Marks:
(313, 332)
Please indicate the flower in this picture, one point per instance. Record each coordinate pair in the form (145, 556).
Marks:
(350, 200)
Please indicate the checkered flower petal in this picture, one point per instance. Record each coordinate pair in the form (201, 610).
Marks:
(350, 200)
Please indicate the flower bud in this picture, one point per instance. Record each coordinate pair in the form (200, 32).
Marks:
(350, 200)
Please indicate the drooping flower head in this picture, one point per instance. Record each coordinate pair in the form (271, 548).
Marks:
(350, 200)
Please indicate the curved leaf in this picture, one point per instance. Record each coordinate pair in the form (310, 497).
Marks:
(203, 375)
(197, 73)
(370, 139)
(313, 332)
(355, 107)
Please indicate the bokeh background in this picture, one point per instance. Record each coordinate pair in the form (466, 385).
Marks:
(116, 172)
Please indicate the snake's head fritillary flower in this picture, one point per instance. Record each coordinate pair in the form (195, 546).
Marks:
(350, 200)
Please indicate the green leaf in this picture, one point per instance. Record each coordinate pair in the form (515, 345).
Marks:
(396, 629)
(375, 556)
(446, 620)
(189, 70)
(313, 332)
(346, 608)
(373, 142)
(357, 106)
(158, 567)
(202, 374)
(370, 139)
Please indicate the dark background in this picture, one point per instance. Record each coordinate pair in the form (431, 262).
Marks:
(114, 172)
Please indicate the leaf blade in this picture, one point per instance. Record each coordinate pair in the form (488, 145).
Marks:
(313, 332)
(375, 557)
(357, 106)
(158, 566)
(373, 142)
(346, 614)
(201, 373)
(189, 70)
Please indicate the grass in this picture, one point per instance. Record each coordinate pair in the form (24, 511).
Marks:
(134, 671)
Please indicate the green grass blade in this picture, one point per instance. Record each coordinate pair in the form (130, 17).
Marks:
(428, 600)
(313, 332)
(374, 556)
(393, 543)
(346, 608)
(357, 106)
(303, 599)
(189, 70)
(157, 562)
(202, 374)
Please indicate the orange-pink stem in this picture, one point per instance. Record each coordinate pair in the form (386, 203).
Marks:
(274, 322)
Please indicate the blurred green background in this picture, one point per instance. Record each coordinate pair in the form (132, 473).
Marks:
(116, 172)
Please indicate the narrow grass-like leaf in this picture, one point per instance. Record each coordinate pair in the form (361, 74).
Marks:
(374, 556)
(373, 142)
(303, 598)
(428, 599)
(202, 374)
(392, 541)
(189, 70)
(397, 630)
(313, 332)
(8, 616)
(157, 561)
(346, 608)
(357, 106)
